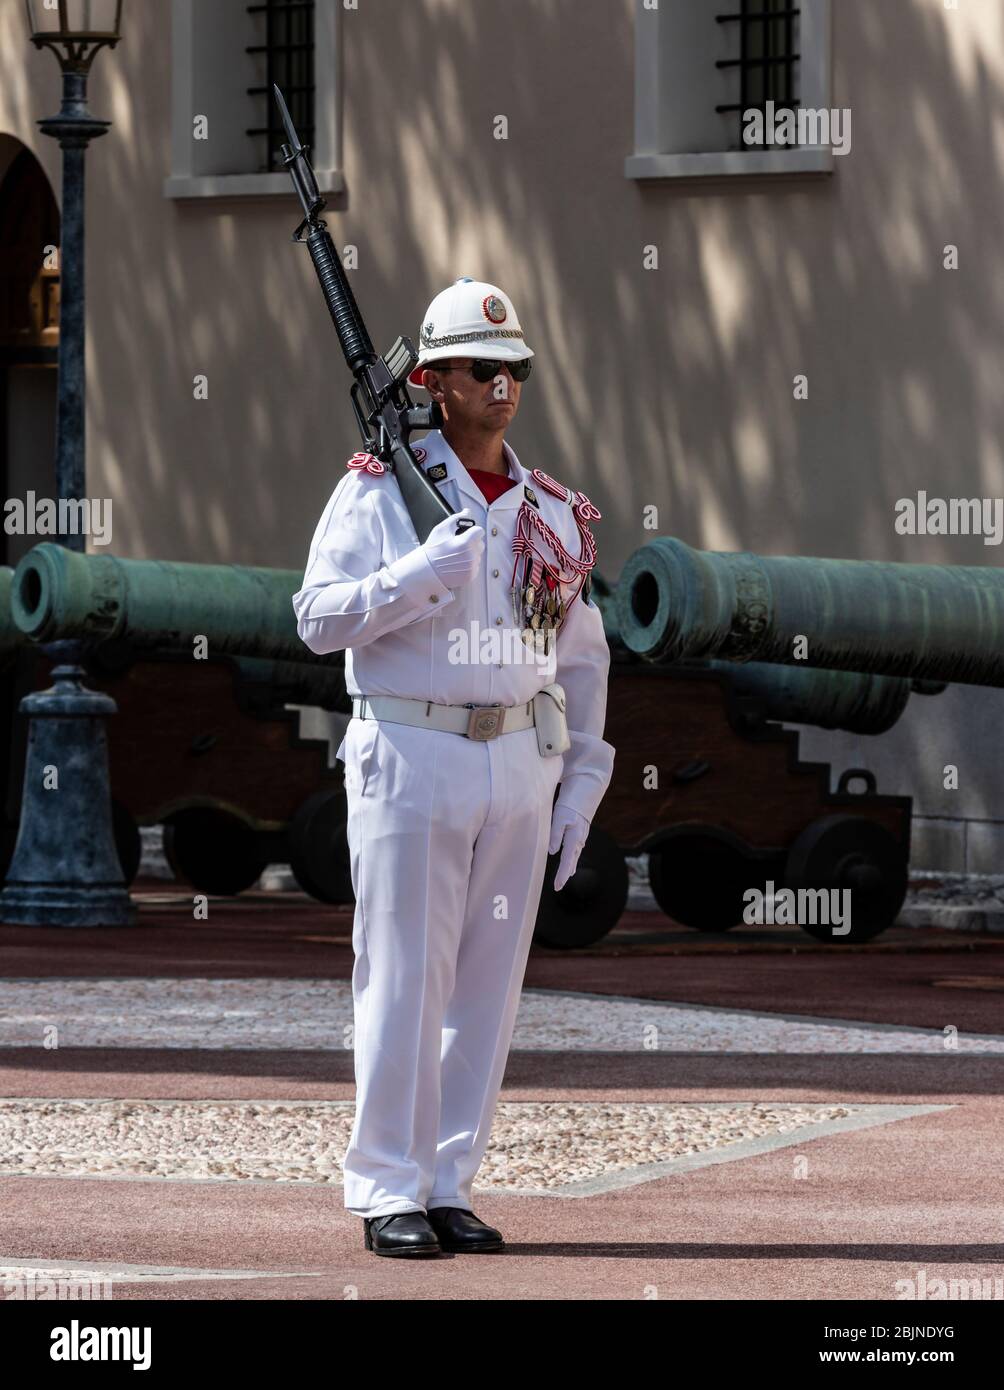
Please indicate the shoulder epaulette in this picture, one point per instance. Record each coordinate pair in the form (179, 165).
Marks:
(367, 463)
(551, 485)
(584, 510)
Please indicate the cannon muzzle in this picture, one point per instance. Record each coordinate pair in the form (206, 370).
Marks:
(929, 622)
(239, 610)
(12, 639)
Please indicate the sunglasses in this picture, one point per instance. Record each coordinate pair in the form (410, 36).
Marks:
(483, 369)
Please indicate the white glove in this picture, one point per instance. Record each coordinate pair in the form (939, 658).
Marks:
(569, 829)
(456, 559)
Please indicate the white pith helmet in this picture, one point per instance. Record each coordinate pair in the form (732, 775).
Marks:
(470, 319)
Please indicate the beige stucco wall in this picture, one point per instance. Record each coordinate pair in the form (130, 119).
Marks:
(671, 387)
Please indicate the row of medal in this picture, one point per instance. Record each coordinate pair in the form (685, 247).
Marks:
(538, 607)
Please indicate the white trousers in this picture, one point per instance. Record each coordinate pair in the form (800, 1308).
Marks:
(448, 845)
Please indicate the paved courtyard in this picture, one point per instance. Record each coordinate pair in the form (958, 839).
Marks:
(750, 1115)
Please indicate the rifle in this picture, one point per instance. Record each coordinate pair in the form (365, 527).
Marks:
(385, 413)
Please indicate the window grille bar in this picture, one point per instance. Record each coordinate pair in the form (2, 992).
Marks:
(269, 79)
(767, 55)
(757, 14)
(288, 59)
(278, 47)
(766, 52)
(737, 62)
(744, 86)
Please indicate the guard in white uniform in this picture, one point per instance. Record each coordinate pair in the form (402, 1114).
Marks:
(450, 798)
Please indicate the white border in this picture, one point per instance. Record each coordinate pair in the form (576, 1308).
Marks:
(326, 154)
(649, 162)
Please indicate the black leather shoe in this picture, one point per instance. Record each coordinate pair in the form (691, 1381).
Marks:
(400, 1233)
(460, 1230)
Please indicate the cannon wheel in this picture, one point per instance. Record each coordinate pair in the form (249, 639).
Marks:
(128, 841)
(698, 878)
(319, 848)
(214, 850)
(592, 900)
(843, 851)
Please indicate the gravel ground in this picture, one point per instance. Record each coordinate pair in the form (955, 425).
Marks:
(534, 1145)
(317, 1014)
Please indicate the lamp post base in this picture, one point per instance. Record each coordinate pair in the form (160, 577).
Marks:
(66, 905)
(66, 871)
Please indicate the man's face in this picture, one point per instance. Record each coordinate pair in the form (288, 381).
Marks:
(489, 405)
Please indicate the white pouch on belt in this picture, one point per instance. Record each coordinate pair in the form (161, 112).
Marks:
(550, 722)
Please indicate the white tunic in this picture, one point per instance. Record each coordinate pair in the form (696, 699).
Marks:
(369, 590)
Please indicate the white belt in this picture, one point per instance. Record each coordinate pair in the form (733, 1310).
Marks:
(474, 721)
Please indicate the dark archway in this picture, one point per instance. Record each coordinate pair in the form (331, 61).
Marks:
(29, 332)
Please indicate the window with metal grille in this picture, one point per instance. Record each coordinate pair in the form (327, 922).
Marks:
(284, 54)
(766, 38)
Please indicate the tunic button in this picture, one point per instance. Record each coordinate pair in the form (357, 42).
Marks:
(495, 530)
(495, 573)
(498, 620)
(433, 598)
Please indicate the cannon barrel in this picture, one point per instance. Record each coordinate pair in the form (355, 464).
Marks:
(604, 595)
(270, 683)
(855, 701)
(247, 613)
(930, 622)
(239, 610)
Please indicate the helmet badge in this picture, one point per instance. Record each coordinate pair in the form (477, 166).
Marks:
(494, 310)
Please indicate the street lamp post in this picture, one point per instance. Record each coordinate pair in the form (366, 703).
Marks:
(65, 870)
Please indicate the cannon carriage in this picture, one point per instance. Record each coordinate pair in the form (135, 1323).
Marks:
(712, 789)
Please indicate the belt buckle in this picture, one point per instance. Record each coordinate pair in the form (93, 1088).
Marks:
(485, 721)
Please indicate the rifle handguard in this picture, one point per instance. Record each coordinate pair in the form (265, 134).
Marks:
(340, 300)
